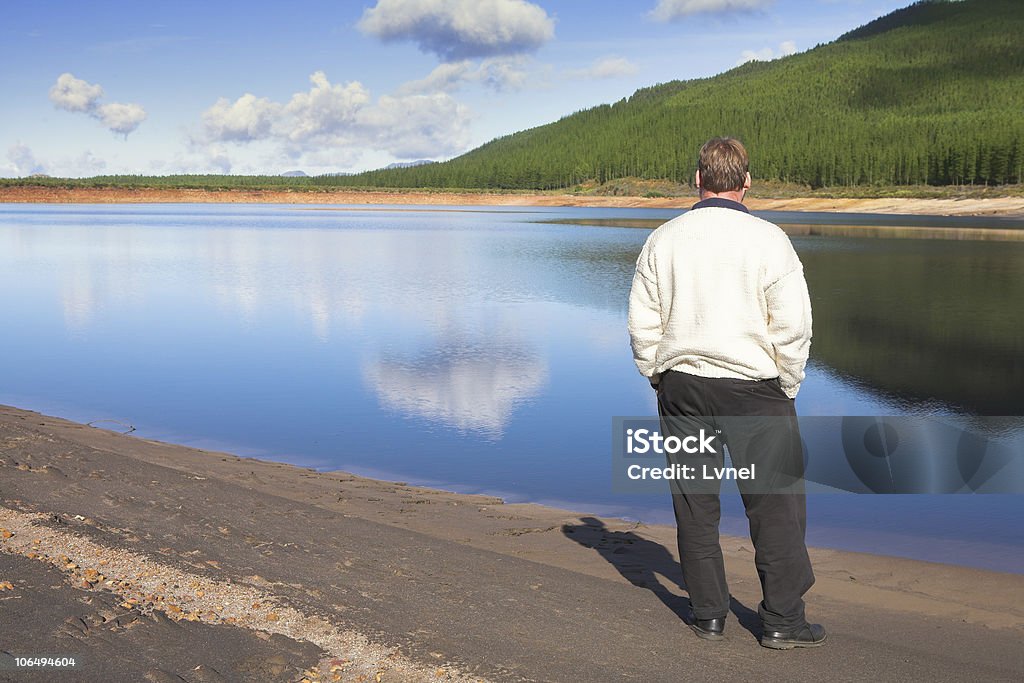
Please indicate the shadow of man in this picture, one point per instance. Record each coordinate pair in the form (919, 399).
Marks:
(640, 561)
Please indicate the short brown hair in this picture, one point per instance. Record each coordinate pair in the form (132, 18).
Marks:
(723, 164)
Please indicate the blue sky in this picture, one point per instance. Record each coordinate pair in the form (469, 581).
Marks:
(344, 85)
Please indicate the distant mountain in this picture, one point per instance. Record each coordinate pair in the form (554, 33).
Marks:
(295, 174)
(932, 93)
(409, 164)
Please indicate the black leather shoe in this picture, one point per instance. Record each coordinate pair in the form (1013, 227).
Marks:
(708, 629)
(808, 635)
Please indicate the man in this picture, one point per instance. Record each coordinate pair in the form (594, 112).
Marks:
(720, 322)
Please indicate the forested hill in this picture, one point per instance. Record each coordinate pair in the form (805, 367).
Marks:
(933, 93)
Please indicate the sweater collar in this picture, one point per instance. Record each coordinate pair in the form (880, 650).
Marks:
(719, 203)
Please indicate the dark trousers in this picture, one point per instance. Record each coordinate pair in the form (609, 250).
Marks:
(778, 520)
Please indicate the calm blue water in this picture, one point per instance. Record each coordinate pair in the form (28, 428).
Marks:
(475, 349)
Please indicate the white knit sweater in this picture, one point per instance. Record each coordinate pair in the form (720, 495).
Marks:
(720, 293)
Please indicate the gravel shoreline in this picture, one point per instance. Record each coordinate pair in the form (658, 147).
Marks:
(146, 586)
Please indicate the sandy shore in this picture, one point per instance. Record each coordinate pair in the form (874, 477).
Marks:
(1003, 206)
(158, 562)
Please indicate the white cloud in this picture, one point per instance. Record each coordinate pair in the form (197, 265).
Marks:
(410, 126)
(459, 29)
(672, 10)
(75, 95)
(23, 160)
(605, 67)
(499, 74)
(503, 74)
(445, 77)
(330, 158)
(247, 118)
(332, 123)
(216, 156)
(86, 164)
(766, 54)
(325, 110)
(121, 118)
(210, 158)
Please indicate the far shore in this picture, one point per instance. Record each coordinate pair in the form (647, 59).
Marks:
(153, 561)
(995, 206)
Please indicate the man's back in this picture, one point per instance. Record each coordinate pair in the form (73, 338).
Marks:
(721, 293)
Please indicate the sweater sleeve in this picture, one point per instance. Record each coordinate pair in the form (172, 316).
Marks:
(789, 327)
(645, 326)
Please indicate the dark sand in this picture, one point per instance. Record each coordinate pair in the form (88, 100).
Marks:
(163, 563)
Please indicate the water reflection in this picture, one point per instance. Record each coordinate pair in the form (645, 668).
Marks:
(78, 298)
(919, 325)
(925, 324)
(475, 387)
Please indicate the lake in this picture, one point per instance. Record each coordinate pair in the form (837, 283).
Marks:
(479, 349)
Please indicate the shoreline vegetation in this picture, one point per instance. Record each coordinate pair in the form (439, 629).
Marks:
(263, 570)
(1007, 201)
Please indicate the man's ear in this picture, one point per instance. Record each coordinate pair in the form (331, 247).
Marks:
(696, 179)
(746, 181)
